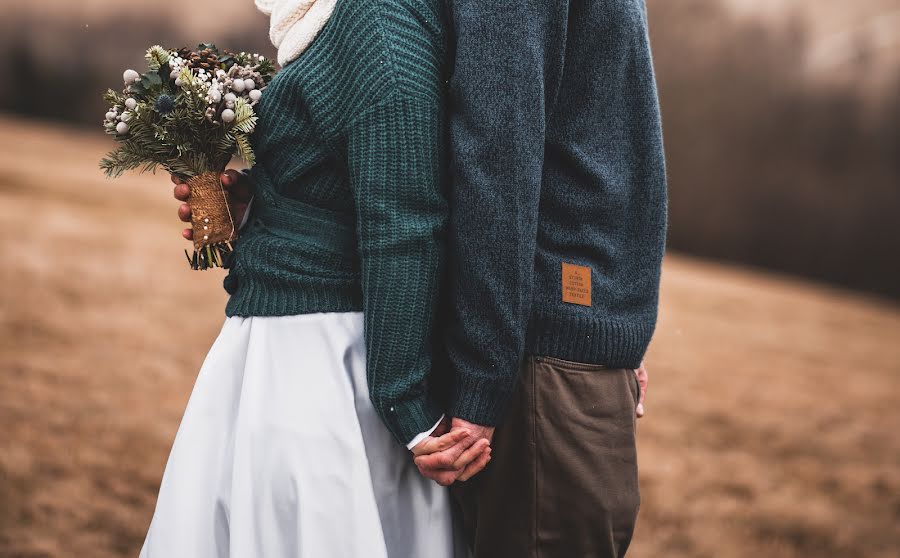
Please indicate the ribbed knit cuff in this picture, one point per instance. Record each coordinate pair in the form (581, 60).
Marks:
(483, 399)
(406, 419)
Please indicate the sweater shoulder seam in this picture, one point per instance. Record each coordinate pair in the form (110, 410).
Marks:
(395, 89)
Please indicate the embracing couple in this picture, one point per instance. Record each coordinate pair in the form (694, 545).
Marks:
(447, 276)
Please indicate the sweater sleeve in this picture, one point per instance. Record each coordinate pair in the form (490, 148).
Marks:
(393, 153)
(497, 126)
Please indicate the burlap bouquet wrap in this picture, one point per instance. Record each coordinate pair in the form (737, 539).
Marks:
(212, 221)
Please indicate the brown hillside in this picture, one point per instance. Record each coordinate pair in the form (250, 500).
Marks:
(771, 419)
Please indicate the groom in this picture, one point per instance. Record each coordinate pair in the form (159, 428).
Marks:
(558, 217)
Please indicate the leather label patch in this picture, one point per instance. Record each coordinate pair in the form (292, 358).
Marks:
(576, 284)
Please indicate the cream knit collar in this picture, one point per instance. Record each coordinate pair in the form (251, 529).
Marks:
(293, 24)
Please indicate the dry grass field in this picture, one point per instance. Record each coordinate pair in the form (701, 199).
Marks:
(771, 425)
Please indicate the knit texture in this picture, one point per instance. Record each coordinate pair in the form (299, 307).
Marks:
(557, 157)
(349, 211)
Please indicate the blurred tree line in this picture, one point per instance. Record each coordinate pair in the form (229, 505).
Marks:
(766, 166)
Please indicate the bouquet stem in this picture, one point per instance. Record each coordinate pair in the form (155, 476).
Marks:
(211, 219)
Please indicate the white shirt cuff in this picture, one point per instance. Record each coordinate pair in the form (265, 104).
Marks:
(421, 436)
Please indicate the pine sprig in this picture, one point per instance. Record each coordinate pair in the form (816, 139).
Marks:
(244, 150)
(244, 119)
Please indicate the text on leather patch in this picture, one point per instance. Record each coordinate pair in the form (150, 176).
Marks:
(576, 284)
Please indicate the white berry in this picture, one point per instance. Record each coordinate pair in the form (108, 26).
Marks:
(255, 95)
(214, 95)
(238, 85)
(130, 76)
(130, 103)
(249, 84)
(122, 128)
(227, 116)
(178, 82)
(230, 97)
(111, 115)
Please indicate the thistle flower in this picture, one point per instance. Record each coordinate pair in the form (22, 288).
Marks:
(164, 104)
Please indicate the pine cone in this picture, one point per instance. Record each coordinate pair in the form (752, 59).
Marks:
(205, 59)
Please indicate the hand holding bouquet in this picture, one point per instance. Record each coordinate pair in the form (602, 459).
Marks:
(189, 114)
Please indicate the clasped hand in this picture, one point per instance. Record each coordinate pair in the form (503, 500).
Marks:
(456, 451)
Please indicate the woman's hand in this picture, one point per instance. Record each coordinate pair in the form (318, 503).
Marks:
(238, 188)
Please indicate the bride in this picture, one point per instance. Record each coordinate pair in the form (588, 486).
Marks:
(296, 439)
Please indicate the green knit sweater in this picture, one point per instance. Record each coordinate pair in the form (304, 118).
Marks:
(349, 212)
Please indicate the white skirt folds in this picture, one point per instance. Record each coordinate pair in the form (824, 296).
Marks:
(280, 454)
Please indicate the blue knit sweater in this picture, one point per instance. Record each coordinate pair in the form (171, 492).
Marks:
(558, 197)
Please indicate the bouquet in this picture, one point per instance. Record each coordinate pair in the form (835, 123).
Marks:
(189, 114)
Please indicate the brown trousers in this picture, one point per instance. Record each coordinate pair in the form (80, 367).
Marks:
(562, 481)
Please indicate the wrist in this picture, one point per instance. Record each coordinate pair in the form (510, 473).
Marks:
(425, 434)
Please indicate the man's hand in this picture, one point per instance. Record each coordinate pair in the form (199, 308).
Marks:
(643, 380)
(237, 187)
(460, 461)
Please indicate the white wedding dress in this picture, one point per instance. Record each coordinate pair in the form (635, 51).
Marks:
(280, 454)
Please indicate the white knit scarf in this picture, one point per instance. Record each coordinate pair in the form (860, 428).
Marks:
(293, 24)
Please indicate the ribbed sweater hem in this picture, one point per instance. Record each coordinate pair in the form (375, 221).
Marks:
(257, 298)
(483, 398)
(614, 344)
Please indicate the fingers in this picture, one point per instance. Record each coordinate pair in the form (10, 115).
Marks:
(437, 444)
(643, 378)
(448, 477)
(471, 454)
(476, 466)
(443, 478)
(445, 459)
(181, 192)
(184, 212)
(229, 178)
